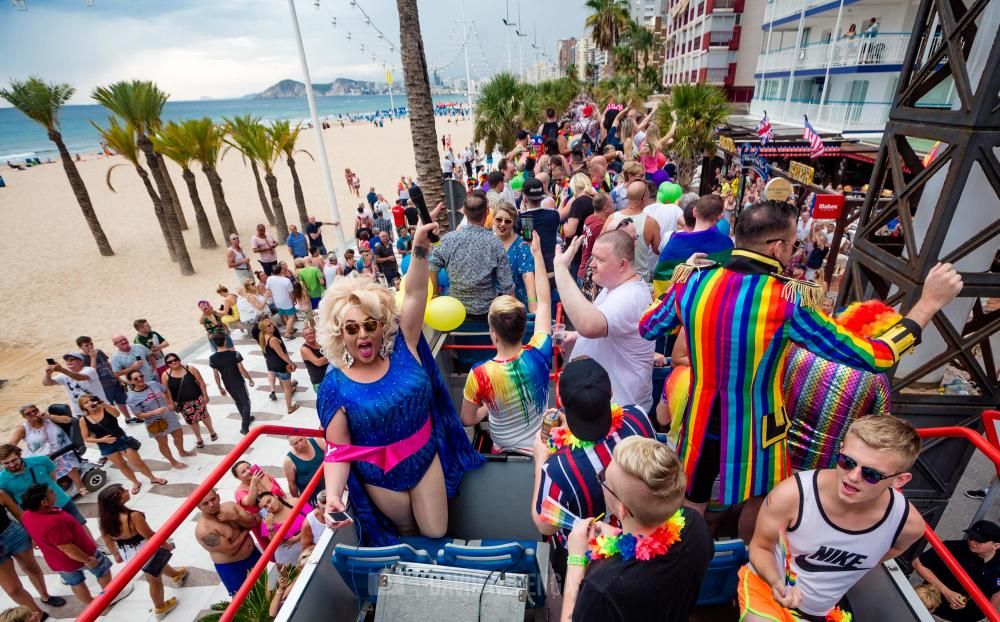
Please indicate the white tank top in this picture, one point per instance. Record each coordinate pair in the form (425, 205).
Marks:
(829, 560)
(644, 257)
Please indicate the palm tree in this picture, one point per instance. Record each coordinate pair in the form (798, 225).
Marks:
(700, 108)
(255, 608)
(418, 96)
(642, 42)
(140, 104)
(258, 144)
(557, 94)
(40, 101)
(284, 137)
(608, 22)
(121, 139)
(505, 105)
(238, 127)
(172, 141)
(181, 219)
(209, 138)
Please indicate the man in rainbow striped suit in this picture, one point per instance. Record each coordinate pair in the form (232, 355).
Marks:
(741, 319)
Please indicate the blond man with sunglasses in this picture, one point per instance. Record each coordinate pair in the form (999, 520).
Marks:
(819, 532)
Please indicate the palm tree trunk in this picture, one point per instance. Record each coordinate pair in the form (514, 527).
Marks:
(205, 237)
(82, 196)
(158, 210)
(422, 129)
(280, 225)
(219, 198)
(260, 193)
(181, 219)
(300, 199)
(171, 216)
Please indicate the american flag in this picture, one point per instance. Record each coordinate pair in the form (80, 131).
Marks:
(816, 148)
(764, 130)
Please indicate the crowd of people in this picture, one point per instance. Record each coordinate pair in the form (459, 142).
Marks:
(573, 214)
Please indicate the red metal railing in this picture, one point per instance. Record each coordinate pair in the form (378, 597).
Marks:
(99, 604)
(981, 600)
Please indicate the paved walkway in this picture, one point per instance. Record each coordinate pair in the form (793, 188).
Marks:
(202, 587)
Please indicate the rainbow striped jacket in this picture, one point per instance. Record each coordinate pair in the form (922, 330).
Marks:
(741, 320)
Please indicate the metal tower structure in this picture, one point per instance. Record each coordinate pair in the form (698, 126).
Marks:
(948, 206)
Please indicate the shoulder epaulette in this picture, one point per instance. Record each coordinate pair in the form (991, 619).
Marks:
(805, 293)
(683, 271)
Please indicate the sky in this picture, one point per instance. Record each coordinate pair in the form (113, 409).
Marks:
(230, 48)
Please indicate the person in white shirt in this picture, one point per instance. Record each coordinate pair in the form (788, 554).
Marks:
(382, 207)
(607, 330)
(667, 215)
(281, 294)
(77, 378)
(331, 269)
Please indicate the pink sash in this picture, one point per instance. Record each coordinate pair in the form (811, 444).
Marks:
(385, 457)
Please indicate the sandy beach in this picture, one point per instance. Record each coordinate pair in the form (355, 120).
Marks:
(57, 286)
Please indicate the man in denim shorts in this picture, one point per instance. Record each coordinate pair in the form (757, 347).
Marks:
(66, 546)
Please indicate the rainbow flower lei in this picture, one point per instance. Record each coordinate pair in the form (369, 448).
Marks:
(641, 547)
(562, 437)
(839, 615)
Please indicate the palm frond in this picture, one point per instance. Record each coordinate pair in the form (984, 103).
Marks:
(40, 101)
(174, 142)
(505, 105)
(139, 102)
(120, 138)
(107, 177)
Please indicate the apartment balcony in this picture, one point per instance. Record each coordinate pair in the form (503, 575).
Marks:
(716, 75)
(782, 9)
(727, 4)
(833, 116)
(870, 52)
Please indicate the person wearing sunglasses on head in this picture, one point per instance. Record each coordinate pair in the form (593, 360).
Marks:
(393, 437)
(819, 532)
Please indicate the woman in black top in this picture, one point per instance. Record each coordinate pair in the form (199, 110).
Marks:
(99, 425)
(187, 388)
(312, 356)
(278, 362)
(124, 532)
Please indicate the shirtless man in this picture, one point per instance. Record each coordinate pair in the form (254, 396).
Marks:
(224, 531)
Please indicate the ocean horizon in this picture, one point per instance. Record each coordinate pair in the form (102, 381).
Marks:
(20, 136)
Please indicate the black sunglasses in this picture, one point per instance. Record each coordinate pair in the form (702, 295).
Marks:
(795, 247)
(168, 361)
(602, 480)
(352, 327)
(870, 475)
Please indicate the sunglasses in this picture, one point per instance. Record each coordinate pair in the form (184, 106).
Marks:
(870, 475)
(171, 361)
(795, 247)
(602, 480)
(503, 220)
(352, 328)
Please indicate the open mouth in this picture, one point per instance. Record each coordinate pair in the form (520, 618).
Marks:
(848, 489)
(366, 349)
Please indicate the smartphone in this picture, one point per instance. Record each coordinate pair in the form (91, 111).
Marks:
(417, 197)
(50, 361)
(138, 358)
(527, 228)
(338, 517)
(254, 469)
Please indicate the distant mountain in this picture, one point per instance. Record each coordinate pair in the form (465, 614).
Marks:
(340, 86)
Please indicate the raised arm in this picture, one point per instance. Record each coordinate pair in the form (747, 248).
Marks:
(589, 321)
(543, 308)
(411, 317)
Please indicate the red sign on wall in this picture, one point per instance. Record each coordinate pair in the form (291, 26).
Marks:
(828, 206)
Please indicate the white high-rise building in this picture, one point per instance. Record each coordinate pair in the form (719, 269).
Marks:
(588, 54)
(645, 12)
(542, 71)
(836, 62)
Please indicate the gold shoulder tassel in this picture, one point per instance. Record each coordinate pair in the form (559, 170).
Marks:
(809, 295)
(681, 273)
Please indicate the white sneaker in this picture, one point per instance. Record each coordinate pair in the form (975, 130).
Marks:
(122, 594)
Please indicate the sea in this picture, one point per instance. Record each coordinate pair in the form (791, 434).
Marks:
(21, 137)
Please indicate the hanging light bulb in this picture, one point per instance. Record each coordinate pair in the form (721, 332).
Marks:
(333, 22)
(362, 47)
(348, 36)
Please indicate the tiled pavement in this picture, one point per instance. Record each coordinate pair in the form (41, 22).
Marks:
(202, 587)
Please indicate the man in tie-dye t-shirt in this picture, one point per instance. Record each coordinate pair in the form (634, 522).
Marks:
(513, 387)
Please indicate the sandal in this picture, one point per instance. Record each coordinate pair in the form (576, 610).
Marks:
(182, 574)
(136, 487)
(168, 605)
(158, 481)
(293, 407)
(201, 444)
(213, 436)
(54, 601)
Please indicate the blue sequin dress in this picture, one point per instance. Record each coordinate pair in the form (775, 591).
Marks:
(389, 410)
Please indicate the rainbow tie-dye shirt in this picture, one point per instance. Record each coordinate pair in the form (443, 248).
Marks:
(516, 393)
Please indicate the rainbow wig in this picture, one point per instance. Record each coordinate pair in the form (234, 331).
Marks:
(869, 319)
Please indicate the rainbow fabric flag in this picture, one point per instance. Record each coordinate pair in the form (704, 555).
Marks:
(557, 515)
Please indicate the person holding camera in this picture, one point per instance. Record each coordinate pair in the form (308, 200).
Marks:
(99, 425)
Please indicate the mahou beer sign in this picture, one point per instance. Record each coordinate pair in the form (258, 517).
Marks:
(828, 206)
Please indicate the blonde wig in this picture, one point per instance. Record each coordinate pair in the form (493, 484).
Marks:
(373, 299)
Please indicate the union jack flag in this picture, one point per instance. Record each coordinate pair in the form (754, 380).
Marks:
(764, 130)
(816, 147)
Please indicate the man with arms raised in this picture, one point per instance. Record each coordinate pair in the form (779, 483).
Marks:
(820, 531)
(223, 530)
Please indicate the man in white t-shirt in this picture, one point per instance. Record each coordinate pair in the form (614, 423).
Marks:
(281, 295)
(77, 378)
(607, 330)
(667, 215)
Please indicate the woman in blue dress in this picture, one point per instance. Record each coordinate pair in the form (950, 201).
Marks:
(522, 266)
(393, 437)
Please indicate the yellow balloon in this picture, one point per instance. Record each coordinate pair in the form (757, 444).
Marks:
(444, 313)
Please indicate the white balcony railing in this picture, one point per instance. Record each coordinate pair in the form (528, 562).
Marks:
(882, 49)
(834, 116)
(720, 37)
(778, 9)
(716, 75)
(725, 4)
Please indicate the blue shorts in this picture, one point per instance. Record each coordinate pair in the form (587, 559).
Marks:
(76, 577)
(290, 312)
(234, 574)
(13, 540)
(112, 448)
(315, 302)
(115, 394)
(282, 375)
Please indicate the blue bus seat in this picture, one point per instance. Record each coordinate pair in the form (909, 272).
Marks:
(359, 566)
(515, 556)
(719, 585)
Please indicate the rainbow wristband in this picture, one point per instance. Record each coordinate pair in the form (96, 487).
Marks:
(577, 560)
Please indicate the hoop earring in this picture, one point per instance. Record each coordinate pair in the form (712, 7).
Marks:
(383, 351)
(348, 359)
